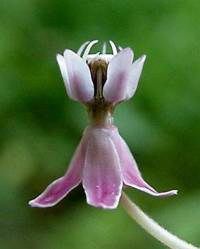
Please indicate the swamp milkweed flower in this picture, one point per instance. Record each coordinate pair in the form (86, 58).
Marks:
(102, 162)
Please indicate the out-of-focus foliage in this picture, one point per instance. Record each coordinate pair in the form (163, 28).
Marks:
(40, 127)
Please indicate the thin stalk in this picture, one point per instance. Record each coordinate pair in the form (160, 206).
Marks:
(152, 227)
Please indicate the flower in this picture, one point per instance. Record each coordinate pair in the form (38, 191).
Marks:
(102, 162)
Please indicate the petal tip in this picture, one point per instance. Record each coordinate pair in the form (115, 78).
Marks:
(31, 203)
(69, 52)
(170, 193)
(59, 58)
(140, 60)
(101, 204)
(166, 194)
(35, 204)
(58, 55)
(143, 58)
(127, 50)
(174, 192)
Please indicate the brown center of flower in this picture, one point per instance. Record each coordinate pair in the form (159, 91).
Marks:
(98, 69)
(99, 110)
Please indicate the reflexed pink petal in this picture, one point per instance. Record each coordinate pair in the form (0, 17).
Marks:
(115, 87)
(101, 173)
(76, 75)
(58, 189)
(131, 174)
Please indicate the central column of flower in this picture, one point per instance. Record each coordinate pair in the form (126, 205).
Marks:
(99, 110)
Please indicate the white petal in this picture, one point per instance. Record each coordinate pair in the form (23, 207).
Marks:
(134, 76)
(123, 76)
(76, 75)
(63, 69)
(118, 76)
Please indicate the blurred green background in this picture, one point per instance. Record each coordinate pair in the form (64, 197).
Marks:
(40, 126)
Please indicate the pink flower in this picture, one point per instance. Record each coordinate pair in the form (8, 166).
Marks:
(102, 162)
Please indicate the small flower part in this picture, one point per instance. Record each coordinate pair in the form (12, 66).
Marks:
(76, 75)
(123, 76)
(102, 178)
(59, 188)
(103, 162)
(130, 172)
